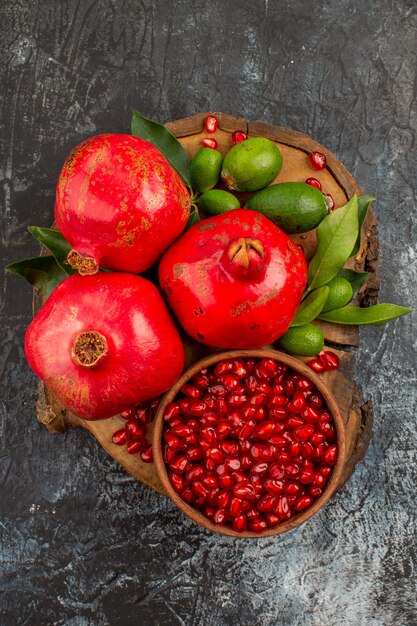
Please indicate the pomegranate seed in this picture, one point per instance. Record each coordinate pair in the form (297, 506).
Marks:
(240, 368)
(197, 408)
(179, 464)
(257, 525)
(329, 359)
(211, 482)
(191, 440)
(173, 442)
(211, 123)
(223, 499)
(230, 447)
(223, 430)
(240, 523)
(278, 401)
(222, 408)
(244, 489)
(307, 450)
(330, 455)
(302, 433)
(168, 455)
(232, 463)
(220, 516)
(246, 429)
(319, 480)
(199, 489)
(201, 381)
(317, 160)
(235, 506)
(294, 422)
(316, 401)
(194, 454)
(306, 477)
(246, 462)
(274, 486)
(295, 449)
(188, 495)
(317, 438)
(142, 415)
(134, 446)
(316, 365)
(264, 430)
(208, 435)
(226, 481)
(293, 488)
(176, 481)
(120, 437)
(267, 503)
(303, 503)
(311, 414)
(259, 468)
(278, 413)
(275, 471)
(315, 492)
(272, 520)
(181, 430)
(209, 142)
(329, 201)
(326, 470)
(252, 513)
(314, 183)
(171, 410)
(218, 390)
(282, 508)
(292, 469)
(238, 136)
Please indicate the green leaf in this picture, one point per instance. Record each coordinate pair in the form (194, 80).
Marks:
(164, 140)
(193, 219)
(336, 236)
(42, 272)
(311, 307)
(377, 314)
(356, 279)
(364, 202)
(55, 242)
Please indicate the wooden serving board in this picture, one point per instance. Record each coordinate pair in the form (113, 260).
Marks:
(339, 183)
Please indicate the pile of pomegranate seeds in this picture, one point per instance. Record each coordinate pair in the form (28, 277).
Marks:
(324, 362)
(249, 443)
(133, 435)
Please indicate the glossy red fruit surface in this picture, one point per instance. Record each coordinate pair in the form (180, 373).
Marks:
(119, 203)
(317, 160)
(104, 343)
(243, 472)
(234, 280)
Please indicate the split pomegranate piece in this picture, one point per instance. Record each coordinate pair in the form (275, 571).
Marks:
(256, 447)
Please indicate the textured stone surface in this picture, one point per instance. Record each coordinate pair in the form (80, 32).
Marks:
(83, 544)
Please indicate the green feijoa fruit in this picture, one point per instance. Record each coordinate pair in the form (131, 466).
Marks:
(294, 207)
(205, 169)
(340, 293)
(251, 165)
(305, 340)
(218, 201)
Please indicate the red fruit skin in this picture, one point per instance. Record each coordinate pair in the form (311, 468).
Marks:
(145, 355)
(119, 202)
(219, 301)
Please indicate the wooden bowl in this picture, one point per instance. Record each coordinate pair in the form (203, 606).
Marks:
(295, 364)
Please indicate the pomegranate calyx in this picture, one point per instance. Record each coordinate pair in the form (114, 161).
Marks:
(88, 348)
(240, 249)
(85, 266)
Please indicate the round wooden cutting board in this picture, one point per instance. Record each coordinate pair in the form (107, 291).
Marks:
(335, 180)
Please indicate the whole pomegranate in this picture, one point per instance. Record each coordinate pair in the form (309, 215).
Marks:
(119, 203)
(234, 280)
(104, 343)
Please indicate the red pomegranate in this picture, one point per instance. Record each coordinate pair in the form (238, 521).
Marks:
(234, 280)
(119, 203)
(104, 343)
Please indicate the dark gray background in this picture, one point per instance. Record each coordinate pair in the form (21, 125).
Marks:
(81, 542)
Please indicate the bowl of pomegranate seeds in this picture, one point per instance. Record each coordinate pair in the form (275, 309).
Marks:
(249, 443)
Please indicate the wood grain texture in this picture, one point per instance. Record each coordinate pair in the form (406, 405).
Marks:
(86, 544)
